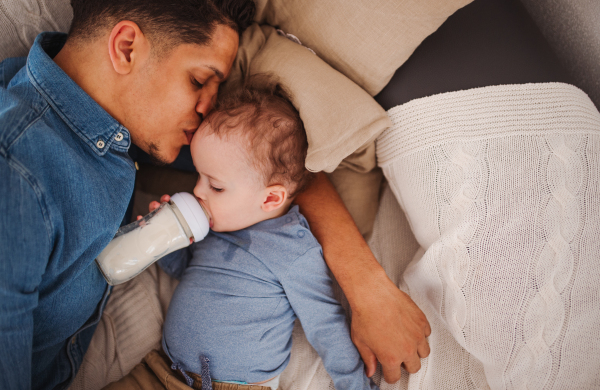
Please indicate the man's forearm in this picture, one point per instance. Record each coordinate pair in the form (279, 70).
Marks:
(386, 324)
(344, 248)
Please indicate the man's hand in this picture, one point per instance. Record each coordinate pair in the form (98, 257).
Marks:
(389, 327)
(386, 324)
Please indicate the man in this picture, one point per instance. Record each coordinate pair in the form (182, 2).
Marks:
(134, 71)
(144, 73)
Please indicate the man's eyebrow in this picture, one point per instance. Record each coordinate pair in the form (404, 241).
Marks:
(219, 74)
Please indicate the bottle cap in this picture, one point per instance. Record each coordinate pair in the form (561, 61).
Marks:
(193, 213)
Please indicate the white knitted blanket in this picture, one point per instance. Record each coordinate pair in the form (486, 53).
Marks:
(501, 186)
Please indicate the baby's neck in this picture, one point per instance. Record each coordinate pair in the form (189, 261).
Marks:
(283, 210)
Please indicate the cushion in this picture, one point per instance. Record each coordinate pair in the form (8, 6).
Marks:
(22, 20)
(501, 187)
(488, 42)
(367, 40)
(360, 193)
(339, 116)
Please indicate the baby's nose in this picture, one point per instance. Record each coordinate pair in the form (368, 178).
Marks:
(198, 192)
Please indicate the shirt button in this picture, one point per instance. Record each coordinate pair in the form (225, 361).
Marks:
(301, 233)
(288, 219)
(100, 144)
(119, 137)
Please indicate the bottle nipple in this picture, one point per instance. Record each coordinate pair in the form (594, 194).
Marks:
(193, 213)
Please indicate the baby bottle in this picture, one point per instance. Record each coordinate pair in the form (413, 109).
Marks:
(136, 246)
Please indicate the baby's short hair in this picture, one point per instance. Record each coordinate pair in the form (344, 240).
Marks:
(261, 112)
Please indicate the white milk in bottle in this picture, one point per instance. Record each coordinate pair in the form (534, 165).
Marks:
(172, 226)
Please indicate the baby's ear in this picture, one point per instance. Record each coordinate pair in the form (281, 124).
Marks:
(276, 196)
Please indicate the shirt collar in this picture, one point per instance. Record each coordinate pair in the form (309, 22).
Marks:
(79, 111)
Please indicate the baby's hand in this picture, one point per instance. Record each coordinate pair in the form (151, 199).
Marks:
(154, 204)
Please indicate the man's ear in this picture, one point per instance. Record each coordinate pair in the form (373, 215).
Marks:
(126, 46)
(276, 197)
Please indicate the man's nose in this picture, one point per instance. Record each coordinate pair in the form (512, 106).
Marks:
(205, 103)
(203, 108)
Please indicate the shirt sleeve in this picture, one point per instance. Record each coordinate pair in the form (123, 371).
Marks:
(310, 292)
(176, 262)
(25, 243)
(9, 67)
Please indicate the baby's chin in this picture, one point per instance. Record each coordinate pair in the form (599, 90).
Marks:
(222, 228)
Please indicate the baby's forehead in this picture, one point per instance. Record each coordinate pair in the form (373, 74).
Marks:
(237, 136)
(231, 148)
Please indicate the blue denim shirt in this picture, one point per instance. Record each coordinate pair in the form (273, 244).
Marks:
(65, 183)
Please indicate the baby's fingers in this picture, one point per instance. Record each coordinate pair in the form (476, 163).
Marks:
(153, 205)
(165, 198)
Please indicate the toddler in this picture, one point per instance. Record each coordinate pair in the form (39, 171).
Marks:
(260, 267)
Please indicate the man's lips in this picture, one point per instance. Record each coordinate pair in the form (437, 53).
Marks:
(189, 134)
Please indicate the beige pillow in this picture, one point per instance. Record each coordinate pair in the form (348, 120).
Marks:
(339, 116)
(366, 40)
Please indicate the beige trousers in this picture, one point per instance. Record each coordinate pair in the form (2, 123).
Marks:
(154, 373)
(129, 329)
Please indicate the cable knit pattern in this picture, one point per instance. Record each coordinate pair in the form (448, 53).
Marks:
(501, 188)
(459, 165)
(546, 313)
(22, 20)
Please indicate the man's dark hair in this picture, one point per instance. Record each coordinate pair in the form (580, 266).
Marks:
(172, 21)
(261, 113)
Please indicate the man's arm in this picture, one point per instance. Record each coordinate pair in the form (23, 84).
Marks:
(24, 253)
(386, 324)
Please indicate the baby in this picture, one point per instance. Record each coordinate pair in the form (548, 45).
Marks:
(260, 267)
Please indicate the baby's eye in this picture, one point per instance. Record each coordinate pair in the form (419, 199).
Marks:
(215, 189)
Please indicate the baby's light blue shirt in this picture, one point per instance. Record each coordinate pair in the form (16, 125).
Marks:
(239, 295)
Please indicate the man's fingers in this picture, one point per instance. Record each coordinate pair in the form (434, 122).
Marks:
(423, 348)
(165, 198)
(368, 358)
(139, 217)
(391, 372)
(413, 365)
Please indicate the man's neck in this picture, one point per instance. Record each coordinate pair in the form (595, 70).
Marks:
(87, 68)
